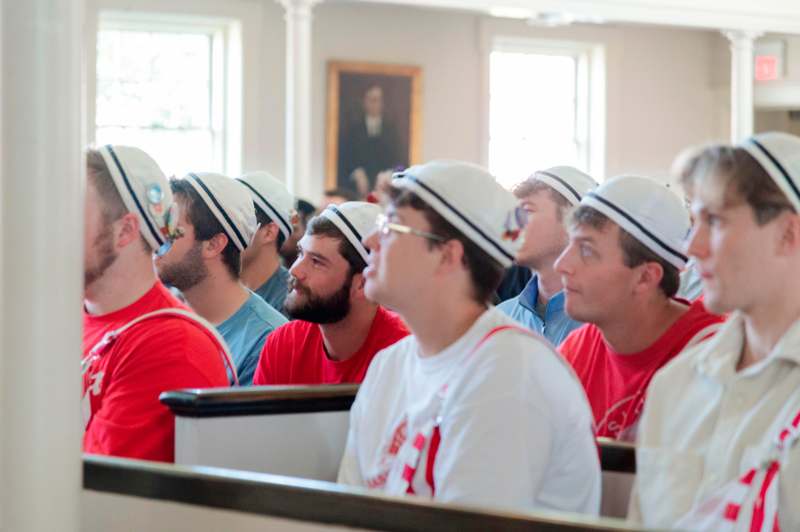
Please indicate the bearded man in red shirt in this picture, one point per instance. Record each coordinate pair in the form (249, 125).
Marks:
(138, 340)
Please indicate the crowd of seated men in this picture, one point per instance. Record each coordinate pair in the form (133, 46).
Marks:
(461, 400)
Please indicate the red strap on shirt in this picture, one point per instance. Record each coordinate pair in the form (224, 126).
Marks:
(436, 436)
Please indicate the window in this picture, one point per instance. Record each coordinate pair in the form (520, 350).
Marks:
(162, 86)
(545, 108)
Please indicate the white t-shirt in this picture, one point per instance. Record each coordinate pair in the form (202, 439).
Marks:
(515, 424)
(705, 424)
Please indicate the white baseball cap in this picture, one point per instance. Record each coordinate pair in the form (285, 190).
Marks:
(356, 220)
(567, 181)
(467, 196)
(144, 190)
(649, 211)
(779, 155)
(230, 203)
(271, 196)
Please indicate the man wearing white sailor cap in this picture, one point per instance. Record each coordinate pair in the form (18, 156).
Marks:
(262, 270)
(547, 198)
(620, 273)
(218, 221)
(138, 340)
(718, 446)
(335, 330)
(472, 408)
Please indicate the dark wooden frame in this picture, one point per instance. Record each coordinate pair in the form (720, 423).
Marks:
(335, 68)
(315, 501)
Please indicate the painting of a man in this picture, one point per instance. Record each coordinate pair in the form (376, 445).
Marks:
(370, 145)
(375, 115)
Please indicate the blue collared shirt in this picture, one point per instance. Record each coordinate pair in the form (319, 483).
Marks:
(555, 325)
(276, 288)
(245, 332)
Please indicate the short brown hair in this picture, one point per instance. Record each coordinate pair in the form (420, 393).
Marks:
(485, 272)
(97, 172)
(321, 226)
(532, 186)
(634, 253)
(112, 208)
(740, 177)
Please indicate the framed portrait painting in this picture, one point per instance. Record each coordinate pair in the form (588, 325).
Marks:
(373, 123)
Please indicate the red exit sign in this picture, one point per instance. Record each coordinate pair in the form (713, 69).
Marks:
(766, 68)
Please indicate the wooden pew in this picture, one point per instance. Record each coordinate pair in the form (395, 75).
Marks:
(287, 430)
(122, 495)
(301, 431)
(618, 462)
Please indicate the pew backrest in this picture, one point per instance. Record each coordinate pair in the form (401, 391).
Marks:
(618, 462)
(301, 431)
(286, 430)
(303, 501)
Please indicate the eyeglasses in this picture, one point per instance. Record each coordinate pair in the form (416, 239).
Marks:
(385, 227)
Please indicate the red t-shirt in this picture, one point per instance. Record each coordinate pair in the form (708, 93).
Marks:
(121, 386)
(295, 354)
(616, 383)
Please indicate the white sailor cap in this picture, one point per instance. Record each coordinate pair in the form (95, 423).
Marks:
(567, 181)
(144, 190)
(355, 219)
(271, 196)
(779, 155)
(649, 211)
(230, 204)
(467, 196)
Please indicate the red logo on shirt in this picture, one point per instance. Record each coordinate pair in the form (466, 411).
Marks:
(399, 436)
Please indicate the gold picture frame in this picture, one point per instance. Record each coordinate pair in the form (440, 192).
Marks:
(358, 93)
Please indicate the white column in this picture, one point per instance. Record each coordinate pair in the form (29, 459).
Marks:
(298, 96)
(741, 83)
(41, 230)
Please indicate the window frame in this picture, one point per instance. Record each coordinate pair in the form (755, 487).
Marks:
(590, 126)
(225, 102)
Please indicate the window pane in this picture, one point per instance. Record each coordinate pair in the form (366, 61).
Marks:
(532, 114)
(177, 152)
(154, 91)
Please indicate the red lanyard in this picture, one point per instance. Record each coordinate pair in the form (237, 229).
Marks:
(765, 507)
(430, 431)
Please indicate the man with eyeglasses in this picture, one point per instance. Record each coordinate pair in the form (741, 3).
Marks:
(473, 408)
(336, 330)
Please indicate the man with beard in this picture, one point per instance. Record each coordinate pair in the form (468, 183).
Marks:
(336, 330)
(219, 220)
(262, 271)
(138, 340)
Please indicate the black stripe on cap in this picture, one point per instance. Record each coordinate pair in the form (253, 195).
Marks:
(458, 213)
(639, 226)
(566, 185)
(155, 233)
(274, 213)
(342, 217)
(779, 166)
(219, 207)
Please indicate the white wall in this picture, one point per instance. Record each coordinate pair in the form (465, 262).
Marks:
(660, 90)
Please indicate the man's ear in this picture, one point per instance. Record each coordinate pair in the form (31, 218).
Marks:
(127, 230)
(267, 233)
(357, 287)
(215, 245)
(452, 257)
(650, 275)
(789, 233)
